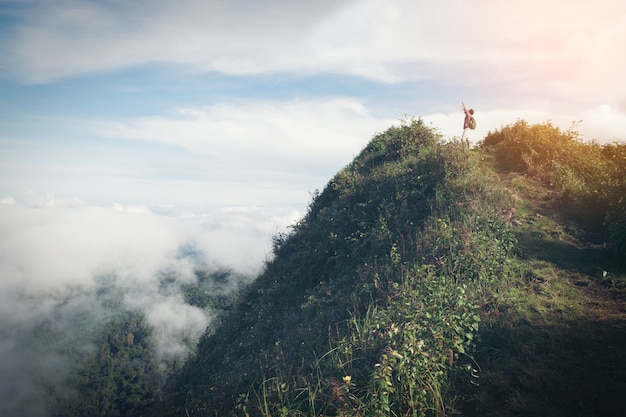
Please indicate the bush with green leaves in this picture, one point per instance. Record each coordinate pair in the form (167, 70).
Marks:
(591, 178)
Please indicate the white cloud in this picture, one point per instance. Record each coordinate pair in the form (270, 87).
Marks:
(49, 248)
(273, 135)
(233, 37)
(8, 200)
(604, 123)
(55, 260)
(560, 57)
(130, 208)
(174, 322)
(49, 199)
(561, 48)
(50, 256)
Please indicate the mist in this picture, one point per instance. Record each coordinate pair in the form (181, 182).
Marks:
(66, 269)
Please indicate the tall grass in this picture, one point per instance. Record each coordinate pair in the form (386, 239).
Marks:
(384, 299)
(434, 243)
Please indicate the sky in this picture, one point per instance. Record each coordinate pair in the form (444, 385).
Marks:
(130, 129)
(190, 107)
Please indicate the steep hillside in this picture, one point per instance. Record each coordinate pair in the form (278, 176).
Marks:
(425, 279)
(555, 343)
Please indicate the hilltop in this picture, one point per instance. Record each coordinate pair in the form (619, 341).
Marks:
(431, 279)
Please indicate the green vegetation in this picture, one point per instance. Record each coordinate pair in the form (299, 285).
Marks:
(430, 279)
(121, 377)
(589, 179)
(555, 347)
(117, 369)
(426, 279)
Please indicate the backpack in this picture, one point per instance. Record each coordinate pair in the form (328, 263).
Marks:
(472, 123)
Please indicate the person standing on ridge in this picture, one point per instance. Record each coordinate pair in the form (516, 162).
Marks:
(468, 123)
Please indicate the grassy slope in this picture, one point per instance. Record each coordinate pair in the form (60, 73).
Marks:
(371, 305)
(556, 346)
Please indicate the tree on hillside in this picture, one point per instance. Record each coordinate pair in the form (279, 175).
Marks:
(120, 377)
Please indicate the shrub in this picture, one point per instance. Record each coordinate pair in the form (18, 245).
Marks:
(589, 177)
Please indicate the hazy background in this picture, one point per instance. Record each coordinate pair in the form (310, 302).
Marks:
(133, 133)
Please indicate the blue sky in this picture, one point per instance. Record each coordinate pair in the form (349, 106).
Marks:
(228, 115)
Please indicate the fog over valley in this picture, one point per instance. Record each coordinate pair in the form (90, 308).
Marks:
(67, 270)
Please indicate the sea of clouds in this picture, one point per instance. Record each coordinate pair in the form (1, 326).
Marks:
(62, 261)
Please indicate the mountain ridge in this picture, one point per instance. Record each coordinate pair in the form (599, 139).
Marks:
(415, 263)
